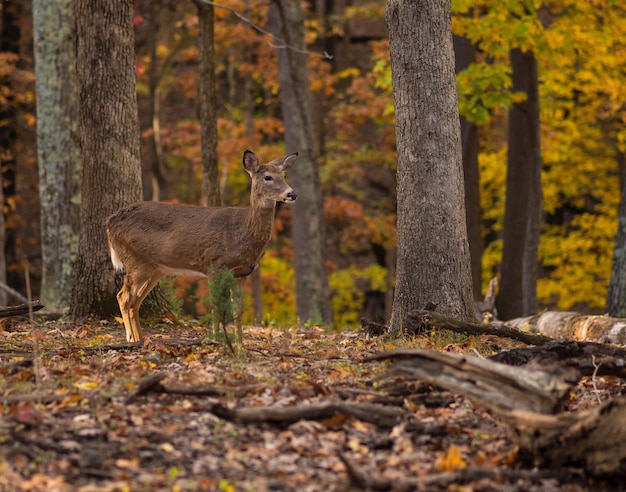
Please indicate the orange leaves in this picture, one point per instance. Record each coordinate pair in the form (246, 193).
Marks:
(451, 459)
(342, 209)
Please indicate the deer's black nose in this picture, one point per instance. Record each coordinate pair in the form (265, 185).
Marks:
(292, 195)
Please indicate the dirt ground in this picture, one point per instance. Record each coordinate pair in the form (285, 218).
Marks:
(78, 414)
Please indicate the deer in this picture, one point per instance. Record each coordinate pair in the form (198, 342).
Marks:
(149, 240)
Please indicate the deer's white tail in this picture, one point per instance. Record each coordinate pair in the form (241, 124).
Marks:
(117, 264)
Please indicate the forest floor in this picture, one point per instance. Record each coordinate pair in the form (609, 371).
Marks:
(78, 414)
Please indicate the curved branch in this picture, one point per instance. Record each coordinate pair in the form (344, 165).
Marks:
(279, 43)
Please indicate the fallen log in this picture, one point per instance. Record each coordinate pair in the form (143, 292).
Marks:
(592, 440)
(568, 325)
(532, 330)
(495, 385)
(589, 358)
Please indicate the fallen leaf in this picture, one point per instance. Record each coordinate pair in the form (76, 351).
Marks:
(452, 459)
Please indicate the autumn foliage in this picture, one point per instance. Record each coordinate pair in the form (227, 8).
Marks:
(580, 48)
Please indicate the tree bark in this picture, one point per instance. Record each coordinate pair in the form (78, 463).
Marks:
(10, 35)
(312, 290)
(154, 179)
(616, 295)
(58, 147)
(433, 261)
(109, 135)
(208, 106)
(465, 53)
(522, 215)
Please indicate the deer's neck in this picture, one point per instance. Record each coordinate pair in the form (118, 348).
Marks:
(259, 224)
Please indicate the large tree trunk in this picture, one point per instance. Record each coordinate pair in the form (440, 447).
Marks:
(465, 53)
(522, 215)
(208, 106)
(109, 134)
(433, 261)
(312, 291)
(58, 147)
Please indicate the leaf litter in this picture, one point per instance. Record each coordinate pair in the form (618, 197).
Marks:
(176, 413)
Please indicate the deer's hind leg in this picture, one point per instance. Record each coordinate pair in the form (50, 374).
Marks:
(239, 309)
(135, 289)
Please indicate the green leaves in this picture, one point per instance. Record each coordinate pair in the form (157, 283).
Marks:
(482, 88)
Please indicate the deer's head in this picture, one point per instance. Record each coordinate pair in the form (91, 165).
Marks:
(268, 180)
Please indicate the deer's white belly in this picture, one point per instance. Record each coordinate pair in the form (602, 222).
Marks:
(181, 272)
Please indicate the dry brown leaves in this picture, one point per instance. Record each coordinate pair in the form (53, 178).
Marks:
(66, 424)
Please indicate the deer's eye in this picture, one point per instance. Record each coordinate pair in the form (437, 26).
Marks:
(268, 178)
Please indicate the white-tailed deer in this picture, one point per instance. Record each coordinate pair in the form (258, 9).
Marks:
(153, 239)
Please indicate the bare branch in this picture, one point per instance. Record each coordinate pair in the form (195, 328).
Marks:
(278, 43)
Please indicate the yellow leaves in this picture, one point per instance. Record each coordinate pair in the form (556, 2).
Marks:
(355, 445)
(348, 294)
(492, 181)
(451, 460)
(579, 260)
(167, 447)
(192, 356)
(86, 385)
(348, 73)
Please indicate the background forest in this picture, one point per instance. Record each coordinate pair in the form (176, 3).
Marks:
(581, 57)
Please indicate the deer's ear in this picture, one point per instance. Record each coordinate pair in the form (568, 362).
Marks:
(250, 162)
(288, 161)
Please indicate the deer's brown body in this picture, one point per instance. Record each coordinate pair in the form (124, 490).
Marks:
(150, 239)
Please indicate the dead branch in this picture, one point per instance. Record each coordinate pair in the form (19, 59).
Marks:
(279, 43)
(495, 385)
(417, 320)
(154, 384)
(7, 311)
(149, 384)
(381, 415)
(609, 359)
(13, 292)
(442, 481)
(33, 397)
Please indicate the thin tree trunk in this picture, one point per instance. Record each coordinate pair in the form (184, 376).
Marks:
(465, 53)
(255, 277)
(10, 34)
(616, 296)
(208, 106)
(154, 181)
(58, 147)
(523, 209)
(433, 261)
(4, 297)
(312, 290)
